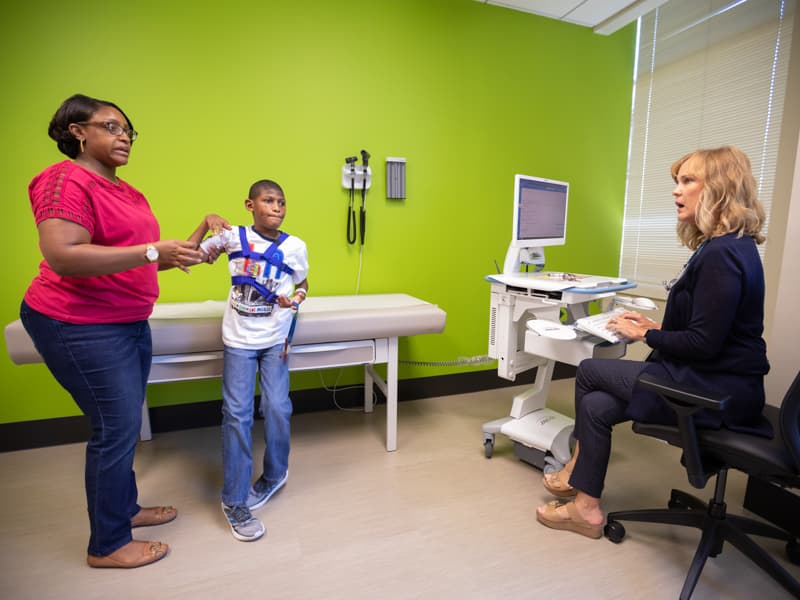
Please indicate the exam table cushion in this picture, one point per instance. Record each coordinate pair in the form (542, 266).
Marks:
(188, 327)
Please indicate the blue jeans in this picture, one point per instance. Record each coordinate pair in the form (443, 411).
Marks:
(105, 369)
(238, 389)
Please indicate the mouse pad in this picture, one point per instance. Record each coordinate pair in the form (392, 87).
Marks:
(552, 329)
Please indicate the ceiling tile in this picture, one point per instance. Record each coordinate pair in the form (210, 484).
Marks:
(593, 12)
(605, 16)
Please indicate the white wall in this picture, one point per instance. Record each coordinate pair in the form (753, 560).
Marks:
(782, 257)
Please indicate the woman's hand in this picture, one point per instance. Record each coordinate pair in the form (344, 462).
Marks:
(178, 253)
(632, 325)
(212, 253)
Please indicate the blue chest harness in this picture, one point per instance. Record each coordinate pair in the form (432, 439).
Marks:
(271, 258)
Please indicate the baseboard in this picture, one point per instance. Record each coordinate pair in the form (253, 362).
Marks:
(69, 430)
(773, 503)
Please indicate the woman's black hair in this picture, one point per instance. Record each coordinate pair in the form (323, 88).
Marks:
(76, 109)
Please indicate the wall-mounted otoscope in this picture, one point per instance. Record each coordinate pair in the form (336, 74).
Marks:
(355, 177)
(365, 160)
(350, 164)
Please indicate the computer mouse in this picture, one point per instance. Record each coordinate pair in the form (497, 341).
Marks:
(643, 303)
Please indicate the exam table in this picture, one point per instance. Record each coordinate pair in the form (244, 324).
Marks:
(331, 331)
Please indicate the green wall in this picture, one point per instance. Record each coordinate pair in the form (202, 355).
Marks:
(227, 93)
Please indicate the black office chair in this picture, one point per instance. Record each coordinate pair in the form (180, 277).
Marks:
(708, 452)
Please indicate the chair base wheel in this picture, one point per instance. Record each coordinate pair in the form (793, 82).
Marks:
(614, 531)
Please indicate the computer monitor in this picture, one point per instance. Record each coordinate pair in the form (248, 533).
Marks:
(540, 219)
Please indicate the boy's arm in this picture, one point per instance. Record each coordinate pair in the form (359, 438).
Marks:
(213, 223)
(300, 291)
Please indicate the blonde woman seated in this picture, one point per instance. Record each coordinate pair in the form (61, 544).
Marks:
(710, 338)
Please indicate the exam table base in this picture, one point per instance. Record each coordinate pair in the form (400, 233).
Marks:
(312, 356)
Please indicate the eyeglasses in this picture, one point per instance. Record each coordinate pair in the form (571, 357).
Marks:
(113, 128)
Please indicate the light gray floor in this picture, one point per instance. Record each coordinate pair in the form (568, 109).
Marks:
(433, 520)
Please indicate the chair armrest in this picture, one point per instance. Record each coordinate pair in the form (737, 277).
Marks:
(686, 402)
(683, 396)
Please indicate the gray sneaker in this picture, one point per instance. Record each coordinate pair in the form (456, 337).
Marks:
(244, 526)
(262, 490)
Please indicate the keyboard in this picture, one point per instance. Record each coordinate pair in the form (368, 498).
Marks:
(596, 325)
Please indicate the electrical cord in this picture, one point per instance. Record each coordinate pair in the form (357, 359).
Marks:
(464, 361)
(335, 389)
(360, 263)
(461, 362)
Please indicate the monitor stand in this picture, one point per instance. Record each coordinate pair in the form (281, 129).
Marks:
(516, 257)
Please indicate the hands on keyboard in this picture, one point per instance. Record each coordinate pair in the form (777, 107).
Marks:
(596, 325)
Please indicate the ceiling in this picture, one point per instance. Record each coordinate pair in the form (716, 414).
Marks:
(603, 16)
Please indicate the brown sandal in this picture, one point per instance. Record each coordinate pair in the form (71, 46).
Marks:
(558, 484)
(154, 515)
(150, 552)
(549, 516)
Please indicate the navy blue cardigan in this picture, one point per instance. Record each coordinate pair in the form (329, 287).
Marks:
(710, 337)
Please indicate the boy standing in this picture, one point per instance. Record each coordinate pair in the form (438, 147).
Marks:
(268, 274)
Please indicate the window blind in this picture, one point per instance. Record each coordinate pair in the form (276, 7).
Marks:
(708, 73)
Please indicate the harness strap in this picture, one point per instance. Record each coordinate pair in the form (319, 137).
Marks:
(272, 256)
(251, 281)
(269, 255)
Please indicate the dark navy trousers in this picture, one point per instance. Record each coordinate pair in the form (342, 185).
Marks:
(603, 390)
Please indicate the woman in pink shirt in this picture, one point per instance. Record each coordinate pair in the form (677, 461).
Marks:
(87, 309)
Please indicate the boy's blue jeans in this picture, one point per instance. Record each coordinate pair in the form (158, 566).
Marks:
(105, 369)
(238, 389)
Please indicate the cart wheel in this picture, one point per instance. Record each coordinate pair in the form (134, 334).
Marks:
(488, 448)
(614, 531)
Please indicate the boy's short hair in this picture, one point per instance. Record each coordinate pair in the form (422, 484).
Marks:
(263, 185)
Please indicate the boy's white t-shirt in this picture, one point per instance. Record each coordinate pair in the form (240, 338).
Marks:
(244, 324)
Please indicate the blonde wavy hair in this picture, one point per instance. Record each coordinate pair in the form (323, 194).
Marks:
(728, 201)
